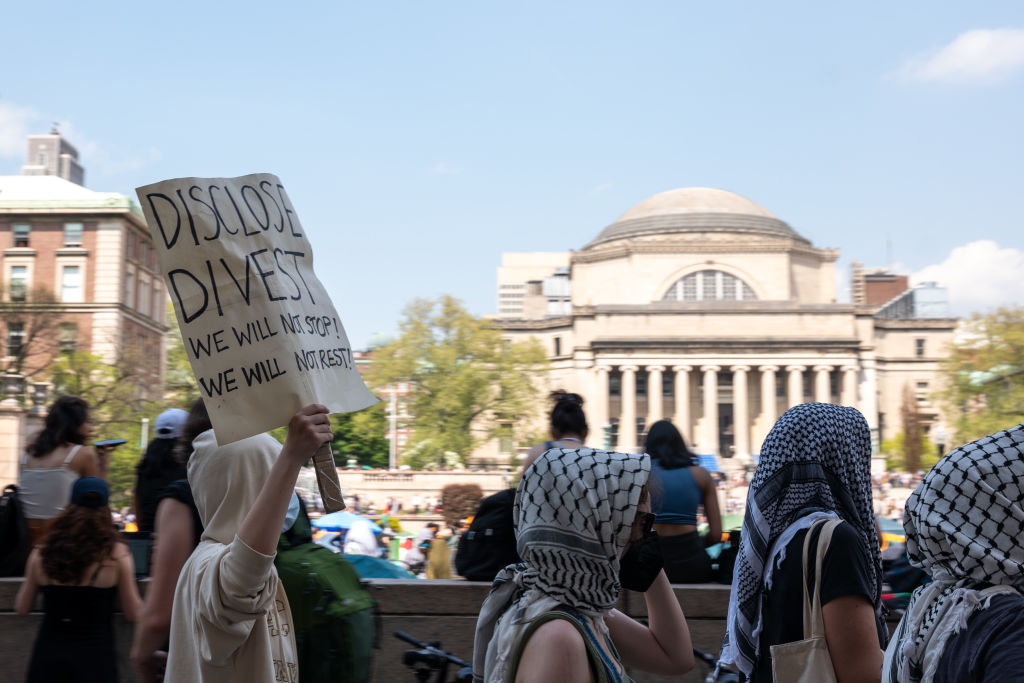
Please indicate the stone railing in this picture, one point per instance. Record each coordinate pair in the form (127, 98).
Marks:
(429, 610)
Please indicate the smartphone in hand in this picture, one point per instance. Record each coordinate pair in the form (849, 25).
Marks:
(109, 443)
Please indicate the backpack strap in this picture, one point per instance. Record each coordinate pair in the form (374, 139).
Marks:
(71, 454)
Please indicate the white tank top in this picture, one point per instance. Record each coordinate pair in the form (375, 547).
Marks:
(44, 492)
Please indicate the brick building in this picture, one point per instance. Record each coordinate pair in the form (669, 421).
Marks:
(78, 266)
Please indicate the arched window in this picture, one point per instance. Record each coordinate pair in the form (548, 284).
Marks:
(710, 285)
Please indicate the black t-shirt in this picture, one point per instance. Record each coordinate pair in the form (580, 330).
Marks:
(180, 491)
(844, 572)
(990, 649)
(157, 469)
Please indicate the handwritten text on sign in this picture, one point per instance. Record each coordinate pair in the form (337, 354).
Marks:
(262, 335)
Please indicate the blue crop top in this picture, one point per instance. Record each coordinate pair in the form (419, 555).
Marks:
(675, 494)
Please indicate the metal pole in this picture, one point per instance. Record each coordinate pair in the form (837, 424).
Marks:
(393, 441)
(144, 438)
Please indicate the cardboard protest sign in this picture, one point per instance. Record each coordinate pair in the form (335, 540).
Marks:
(263, 336)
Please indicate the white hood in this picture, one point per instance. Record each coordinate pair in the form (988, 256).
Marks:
(226, 479)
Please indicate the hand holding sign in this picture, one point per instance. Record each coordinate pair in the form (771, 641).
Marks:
(260, 331)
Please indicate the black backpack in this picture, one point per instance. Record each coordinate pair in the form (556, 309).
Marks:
(15, 541)
(489, 545)
(335, 618)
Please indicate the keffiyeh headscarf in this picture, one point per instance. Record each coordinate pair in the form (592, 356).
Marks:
(815, 464)
(964, 523)
(573, 513)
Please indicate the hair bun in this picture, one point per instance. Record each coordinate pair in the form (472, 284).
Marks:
(563, 396)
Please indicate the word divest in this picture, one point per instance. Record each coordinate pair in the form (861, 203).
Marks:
(263, 336)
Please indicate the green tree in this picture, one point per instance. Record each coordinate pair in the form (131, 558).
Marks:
(360, 436)
(913, 431)
(984, 375)
(180, 388)
(466, 379)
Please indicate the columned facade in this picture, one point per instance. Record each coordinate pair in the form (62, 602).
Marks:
(747, 406)
(700, 306)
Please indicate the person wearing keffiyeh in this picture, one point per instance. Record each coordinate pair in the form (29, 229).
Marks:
(965, 527)
(578, 516)
(815, 464)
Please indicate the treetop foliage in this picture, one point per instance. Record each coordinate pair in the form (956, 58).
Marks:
(985, 374)
(466, 380)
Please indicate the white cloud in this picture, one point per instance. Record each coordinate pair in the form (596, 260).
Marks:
(976, 56)
(979, 275)
(600, 188)
(16, 123)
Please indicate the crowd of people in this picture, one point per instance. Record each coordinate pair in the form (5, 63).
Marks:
(584, 525)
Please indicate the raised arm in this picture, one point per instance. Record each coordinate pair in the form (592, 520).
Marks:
(664, 646)
(308, 430)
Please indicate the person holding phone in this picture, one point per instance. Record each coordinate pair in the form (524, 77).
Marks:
(54, 460)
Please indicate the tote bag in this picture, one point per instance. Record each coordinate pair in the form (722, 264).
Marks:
(808, 660)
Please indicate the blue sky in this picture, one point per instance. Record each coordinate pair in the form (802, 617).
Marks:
(419, 140)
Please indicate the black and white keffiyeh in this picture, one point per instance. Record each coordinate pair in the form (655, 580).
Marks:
(815, 463)
(964, 525)
(574, 512)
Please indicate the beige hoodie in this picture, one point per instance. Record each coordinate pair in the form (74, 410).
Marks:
(230, 620)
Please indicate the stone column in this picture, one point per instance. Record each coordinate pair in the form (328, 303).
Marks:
(682, 391)
(600, 414)
(627, 418)
(769, 410)
(709, 439)
(823, 383)
(12, 427)
(655, 401)
(741, 409)
(795, 395)
(869, 399)
(850, 385)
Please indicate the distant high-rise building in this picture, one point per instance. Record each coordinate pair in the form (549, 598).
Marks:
(53, 155)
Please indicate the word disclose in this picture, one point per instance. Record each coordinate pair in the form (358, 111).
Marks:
(261, 333)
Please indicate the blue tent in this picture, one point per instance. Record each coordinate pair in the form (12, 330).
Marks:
(337, 521)
(377, 568)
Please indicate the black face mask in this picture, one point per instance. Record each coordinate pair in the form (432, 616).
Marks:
(641, 564)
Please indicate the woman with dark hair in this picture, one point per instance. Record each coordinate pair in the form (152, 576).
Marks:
(177, 529)
(679, 485)
(161, 464)
(80, 569)
(54, 460)
(813, 479)
(567, 425)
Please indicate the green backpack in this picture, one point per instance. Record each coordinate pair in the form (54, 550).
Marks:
(333, 615)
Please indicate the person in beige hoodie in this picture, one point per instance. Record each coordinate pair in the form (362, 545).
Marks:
(231, 620)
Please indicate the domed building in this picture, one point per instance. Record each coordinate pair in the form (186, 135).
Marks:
(701, 306)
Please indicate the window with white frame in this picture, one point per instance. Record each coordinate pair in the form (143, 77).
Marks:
(18, 283)
(21, 233)
(67, 337)
(710, 285)
(71, 284)
(15, 338)
(144, 295)
(72, 234)
(129, 287)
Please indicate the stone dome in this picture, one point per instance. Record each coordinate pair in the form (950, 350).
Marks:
(695, 209)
